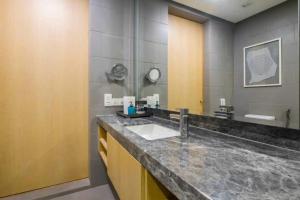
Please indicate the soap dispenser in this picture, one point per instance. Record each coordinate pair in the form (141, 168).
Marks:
(131, 109)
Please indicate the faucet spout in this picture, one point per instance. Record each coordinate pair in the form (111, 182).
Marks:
(183, 121)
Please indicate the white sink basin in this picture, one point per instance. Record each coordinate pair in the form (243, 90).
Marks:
(153, 131)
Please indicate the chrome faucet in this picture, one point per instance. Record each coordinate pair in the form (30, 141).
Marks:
(183, 121)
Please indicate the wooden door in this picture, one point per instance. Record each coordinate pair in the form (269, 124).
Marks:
(43, 101)
(185, 65)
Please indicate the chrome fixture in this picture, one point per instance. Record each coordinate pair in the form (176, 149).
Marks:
(288, 118)
(118, 73)
(153, 75)
(183, 121)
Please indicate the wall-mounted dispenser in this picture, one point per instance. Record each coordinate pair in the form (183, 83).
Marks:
(118, 73)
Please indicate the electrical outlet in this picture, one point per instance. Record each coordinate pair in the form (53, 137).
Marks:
(110, 101)
(117, 101)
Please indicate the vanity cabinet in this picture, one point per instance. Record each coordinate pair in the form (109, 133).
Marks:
(125, 173)
(113, 164)
(129, 178)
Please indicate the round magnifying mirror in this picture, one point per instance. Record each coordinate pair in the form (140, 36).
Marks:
(153, 75)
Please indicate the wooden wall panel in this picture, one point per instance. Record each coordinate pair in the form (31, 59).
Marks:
(44, 96)
(185, 64)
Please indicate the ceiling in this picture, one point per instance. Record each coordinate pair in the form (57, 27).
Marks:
(231, 10)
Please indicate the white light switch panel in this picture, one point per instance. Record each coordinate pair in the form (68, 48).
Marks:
(107, 99)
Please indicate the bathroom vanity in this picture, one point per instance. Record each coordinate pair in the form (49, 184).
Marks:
(129, 178)
(206, 165)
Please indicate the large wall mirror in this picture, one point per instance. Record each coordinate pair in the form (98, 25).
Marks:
(227, 59)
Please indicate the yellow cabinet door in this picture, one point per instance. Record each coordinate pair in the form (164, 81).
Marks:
(125, 173)
(154, 190)
(113, 162)
(131, 180)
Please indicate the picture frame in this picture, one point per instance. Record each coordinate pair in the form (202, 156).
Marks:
(262, 64)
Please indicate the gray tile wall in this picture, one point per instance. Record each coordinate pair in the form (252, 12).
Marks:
(153, 47)
(111, 42)
(218, 64)
(280, 21)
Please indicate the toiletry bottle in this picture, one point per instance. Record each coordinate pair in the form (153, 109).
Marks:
(131, 109)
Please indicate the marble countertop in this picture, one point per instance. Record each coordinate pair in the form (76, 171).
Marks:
(212, 165)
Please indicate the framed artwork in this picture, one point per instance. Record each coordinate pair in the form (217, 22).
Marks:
(262, 64)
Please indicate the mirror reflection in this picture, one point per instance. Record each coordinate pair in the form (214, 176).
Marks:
(229, 59)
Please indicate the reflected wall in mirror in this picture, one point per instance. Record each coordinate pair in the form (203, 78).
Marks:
(199, 49)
